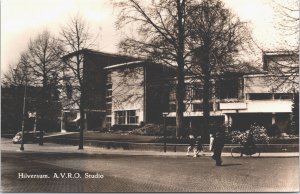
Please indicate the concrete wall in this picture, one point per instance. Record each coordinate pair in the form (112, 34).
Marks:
(128, 91)
(269, 84)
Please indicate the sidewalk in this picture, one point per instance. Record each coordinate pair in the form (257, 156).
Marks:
(6, 145)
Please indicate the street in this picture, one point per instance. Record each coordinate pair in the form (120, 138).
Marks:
(144, 173)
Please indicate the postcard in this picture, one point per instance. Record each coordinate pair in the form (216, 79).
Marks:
(132, 96)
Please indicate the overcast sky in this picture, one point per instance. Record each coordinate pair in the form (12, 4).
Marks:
(24, 19)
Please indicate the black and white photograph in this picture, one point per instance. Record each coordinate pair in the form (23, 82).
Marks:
(149, 96)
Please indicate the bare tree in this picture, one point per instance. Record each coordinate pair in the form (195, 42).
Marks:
(15, 87)
(284, 62)
(161, 36)
(43, 56)
(75, 36)
(216, 37)
(287, 22)
(16, 75)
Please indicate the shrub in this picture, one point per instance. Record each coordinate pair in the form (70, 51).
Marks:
(149, 129)
(259, 134)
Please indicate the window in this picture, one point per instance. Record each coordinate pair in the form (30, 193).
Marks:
(108, 109)
(108, 122)
(194, 92)
(108, 92)
(172, 107)
(172, 96)
(260, 96)
(120, 117)
(108, 77)
(126, 117)
(283, 96)
(197, 107)
(229, 88)
(197, 94)
(131, 117)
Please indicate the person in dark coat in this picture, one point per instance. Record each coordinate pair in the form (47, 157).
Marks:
(192, 141)
(218, 144)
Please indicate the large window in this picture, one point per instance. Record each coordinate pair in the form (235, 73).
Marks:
(283, 96)
(198, 107)
(260, 96)
(120, 117)
(126, 117)
(229, 88)
(194, 92)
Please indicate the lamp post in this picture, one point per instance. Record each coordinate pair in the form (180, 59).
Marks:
(165, 143)
(23, 120)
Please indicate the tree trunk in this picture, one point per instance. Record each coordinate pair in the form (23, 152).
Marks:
(180, 72)
(206, 95)
(179, 101)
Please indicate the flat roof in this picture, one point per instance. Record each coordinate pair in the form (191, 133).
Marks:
(99, 53)
(124, 64)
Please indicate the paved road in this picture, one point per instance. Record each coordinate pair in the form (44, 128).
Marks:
(144, 173)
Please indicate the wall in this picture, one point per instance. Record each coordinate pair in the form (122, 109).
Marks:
(128, 90)
(268, 84)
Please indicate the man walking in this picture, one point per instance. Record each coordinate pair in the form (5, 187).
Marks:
(218, 145)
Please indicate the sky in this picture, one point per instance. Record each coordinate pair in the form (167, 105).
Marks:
(22, 20)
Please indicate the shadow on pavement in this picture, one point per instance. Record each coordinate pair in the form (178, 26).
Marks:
(230, 165)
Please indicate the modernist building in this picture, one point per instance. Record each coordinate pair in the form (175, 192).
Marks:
(124, 92)
(120, 91)
(244, 96)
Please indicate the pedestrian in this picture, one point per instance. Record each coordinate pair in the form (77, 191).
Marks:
(211, 141)
(218, 145)
(192, 141)
(195, 143)
(198, 147)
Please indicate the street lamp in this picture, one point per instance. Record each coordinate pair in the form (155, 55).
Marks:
(165, 143)
(23, 120)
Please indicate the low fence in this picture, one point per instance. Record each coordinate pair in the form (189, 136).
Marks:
(169, 146)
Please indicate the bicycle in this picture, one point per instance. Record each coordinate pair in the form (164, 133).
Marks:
(251, 151)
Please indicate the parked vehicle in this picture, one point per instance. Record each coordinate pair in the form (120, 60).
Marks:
(29, 136)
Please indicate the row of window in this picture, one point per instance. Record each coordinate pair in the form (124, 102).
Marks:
(249, 96)
(268, 96)
(226, 88)
(126, 117)
(108, 100)
(196, 107)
